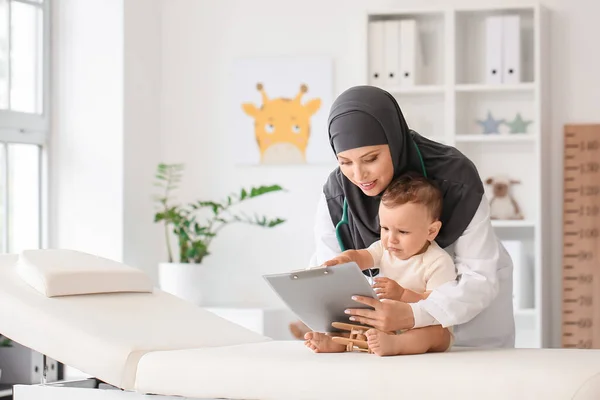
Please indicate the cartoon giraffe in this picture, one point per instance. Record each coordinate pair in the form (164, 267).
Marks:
(282, 126)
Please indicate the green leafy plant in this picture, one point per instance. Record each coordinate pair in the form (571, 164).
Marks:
(193, 235)
(5, 342)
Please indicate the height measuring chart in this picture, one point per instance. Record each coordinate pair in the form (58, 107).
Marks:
(581, 240)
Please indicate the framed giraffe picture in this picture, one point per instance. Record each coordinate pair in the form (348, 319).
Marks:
(280, 110)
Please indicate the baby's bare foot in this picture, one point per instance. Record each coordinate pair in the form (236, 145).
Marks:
(321, 343)
(384, 344)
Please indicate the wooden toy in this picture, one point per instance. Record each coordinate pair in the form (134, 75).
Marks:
(357, 339)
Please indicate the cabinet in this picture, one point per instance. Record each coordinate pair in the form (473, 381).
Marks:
(480, 84)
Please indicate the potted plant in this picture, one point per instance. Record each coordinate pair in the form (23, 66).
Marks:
(183, 274)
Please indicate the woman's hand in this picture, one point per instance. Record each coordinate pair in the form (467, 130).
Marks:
(387, 288)
(341, 259)
(387, 316)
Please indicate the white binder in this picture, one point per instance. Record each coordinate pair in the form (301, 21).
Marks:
(511, 63)
(493, 49)
(376, 53)
(409, 50)
(391, 45)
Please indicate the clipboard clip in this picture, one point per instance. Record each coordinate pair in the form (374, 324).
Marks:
(310, 273)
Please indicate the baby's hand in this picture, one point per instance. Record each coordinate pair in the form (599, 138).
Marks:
(387, 288)
(341, 259)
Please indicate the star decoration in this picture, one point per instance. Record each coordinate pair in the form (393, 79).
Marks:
(490, 125)
(518, 125)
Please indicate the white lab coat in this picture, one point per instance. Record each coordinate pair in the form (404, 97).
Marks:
(478, 305)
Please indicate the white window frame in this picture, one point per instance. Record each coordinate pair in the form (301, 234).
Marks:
(28, 128)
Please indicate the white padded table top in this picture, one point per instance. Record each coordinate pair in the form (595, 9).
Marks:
(288, 370)
(104, 335)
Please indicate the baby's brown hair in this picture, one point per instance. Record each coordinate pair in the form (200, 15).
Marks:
(411, 188)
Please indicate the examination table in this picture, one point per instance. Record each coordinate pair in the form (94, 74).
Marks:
(105, 319)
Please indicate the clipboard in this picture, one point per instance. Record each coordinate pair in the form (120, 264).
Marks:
(320, 296)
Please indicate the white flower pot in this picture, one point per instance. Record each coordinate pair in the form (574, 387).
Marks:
(183, 280)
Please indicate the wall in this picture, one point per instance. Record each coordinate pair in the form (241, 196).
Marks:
(106, 127)
(575, 99)
(86, 146)
(202, 39)
(142, 59)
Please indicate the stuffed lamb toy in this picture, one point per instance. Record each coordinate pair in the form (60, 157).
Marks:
(502, 204)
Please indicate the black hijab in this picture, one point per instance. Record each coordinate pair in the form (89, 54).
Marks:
(366, 116)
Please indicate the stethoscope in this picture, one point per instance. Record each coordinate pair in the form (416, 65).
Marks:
(344, 219)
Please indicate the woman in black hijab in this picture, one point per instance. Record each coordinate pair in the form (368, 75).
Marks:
(373, 145)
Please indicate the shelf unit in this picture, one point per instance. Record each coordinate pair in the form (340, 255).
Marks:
(491, 88)
(475, 138)
(418, 89)
(448, 98)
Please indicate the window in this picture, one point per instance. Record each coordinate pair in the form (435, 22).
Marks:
(24, 105)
